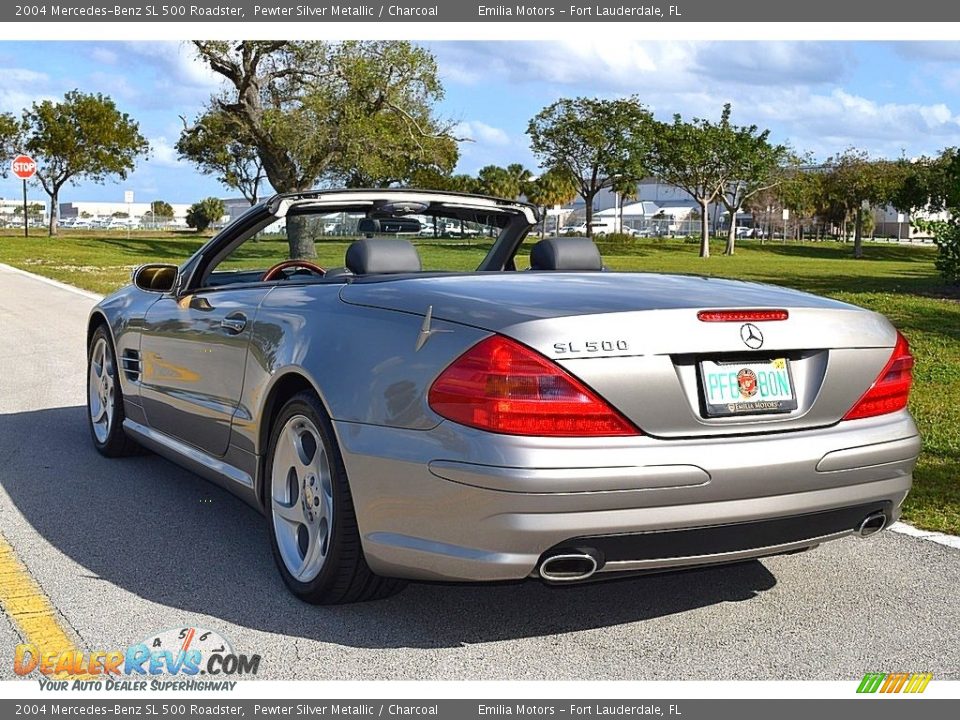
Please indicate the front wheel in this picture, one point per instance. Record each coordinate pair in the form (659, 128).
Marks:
(105, 399)
(314, 534)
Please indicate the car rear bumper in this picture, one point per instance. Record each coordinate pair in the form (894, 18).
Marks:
(642, 503)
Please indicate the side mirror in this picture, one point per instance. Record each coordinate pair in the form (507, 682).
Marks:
(155, 277)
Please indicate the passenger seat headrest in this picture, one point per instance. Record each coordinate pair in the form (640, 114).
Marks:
(565, 253)
(382, 255)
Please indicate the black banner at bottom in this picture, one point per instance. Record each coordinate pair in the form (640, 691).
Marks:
(874, 708)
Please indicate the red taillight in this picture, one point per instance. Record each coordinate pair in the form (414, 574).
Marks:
(741, 315)
(505, 387)
(891, 389)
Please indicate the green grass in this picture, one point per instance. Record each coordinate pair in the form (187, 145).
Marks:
(898, 281)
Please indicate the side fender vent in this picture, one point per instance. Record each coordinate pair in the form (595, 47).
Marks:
(132, 365)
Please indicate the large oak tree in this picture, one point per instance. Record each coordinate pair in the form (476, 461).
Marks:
(358, 112)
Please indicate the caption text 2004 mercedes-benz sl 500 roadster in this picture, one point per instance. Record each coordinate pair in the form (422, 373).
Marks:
(559, 421)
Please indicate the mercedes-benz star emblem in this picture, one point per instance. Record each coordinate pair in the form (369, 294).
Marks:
(751, 336)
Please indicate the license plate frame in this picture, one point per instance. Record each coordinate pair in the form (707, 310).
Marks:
(778, 403)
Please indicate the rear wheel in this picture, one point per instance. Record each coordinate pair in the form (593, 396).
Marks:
(105, 399)
(314, 534)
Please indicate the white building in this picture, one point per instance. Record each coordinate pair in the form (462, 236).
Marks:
(89, 209)
(11, 209)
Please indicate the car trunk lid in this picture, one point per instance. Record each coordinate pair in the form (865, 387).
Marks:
(637, 340)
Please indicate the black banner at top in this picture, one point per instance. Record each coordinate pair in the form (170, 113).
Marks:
(460, 11)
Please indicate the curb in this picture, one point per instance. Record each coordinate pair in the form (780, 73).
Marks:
(951, 541)
(56, 283)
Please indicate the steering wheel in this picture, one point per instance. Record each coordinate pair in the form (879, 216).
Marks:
(275, 272)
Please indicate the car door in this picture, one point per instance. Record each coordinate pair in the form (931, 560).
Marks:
(194, 352)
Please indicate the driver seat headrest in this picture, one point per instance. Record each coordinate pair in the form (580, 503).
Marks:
(565, 253)
(382, 256)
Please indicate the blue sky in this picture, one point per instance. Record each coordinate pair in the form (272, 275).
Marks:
(821, 97)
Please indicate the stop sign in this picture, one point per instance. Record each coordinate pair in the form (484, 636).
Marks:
(24, 167)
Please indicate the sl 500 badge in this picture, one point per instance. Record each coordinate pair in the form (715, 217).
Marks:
(590, 346)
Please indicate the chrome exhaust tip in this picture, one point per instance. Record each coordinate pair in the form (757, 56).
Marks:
(872, 524)
(568, 567)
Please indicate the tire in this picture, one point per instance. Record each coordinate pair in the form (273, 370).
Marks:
(105, 398)
(313, 526)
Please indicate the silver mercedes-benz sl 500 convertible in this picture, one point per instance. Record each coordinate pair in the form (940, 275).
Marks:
(556, 421)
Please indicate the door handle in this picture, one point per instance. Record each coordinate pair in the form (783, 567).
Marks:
(234, 323)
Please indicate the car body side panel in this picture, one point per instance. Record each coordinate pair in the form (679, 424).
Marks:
(193, 367)
(363, 361)
(124, 311)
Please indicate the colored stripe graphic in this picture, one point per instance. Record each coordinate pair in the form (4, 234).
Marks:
(30, 609)
(871, 682)
(894, 682)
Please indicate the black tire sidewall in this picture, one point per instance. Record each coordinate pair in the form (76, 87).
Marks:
(116, 440)
(308, 405)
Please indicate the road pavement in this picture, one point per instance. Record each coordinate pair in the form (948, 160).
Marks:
(125, 548)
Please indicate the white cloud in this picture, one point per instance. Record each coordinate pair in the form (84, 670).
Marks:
(20, 88)
(948, 52)
(175, 62)
(104, 55)
(481, 132)
(163, 153)
(773, 63)
(801, 90)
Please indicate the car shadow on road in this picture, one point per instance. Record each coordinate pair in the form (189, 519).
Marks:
(161, 533)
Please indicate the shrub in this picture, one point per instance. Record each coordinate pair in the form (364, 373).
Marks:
(203, 214)
(946, 234)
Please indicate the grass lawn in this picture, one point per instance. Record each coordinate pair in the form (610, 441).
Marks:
(898, 281)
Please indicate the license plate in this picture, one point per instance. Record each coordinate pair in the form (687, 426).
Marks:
(747, 388)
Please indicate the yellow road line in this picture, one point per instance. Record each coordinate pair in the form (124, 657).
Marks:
(30, 609)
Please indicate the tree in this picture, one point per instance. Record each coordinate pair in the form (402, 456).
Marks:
(600, 143)
(934, 185)
(751, 164)
(205, 213)
(221, 146)
(508, 182)
(798, 190)
(9, 138)
(554, 187)
(855, 182)
(355, 112)
(84, 137)
(691, 156)
(161, 209)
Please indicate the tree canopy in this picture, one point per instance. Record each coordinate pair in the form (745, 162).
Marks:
(554, 187)
(599, 143)
(84, 136)
(221, 146)
(690, 155)
(751, 164)
(355, 113)
(161, 209)
(205, 213)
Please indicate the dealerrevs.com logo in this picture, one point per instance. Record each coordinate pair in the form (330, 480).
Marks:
(178, 659)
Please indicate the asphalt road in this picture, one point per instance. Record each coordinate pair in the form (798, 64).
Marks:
(124, 548)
